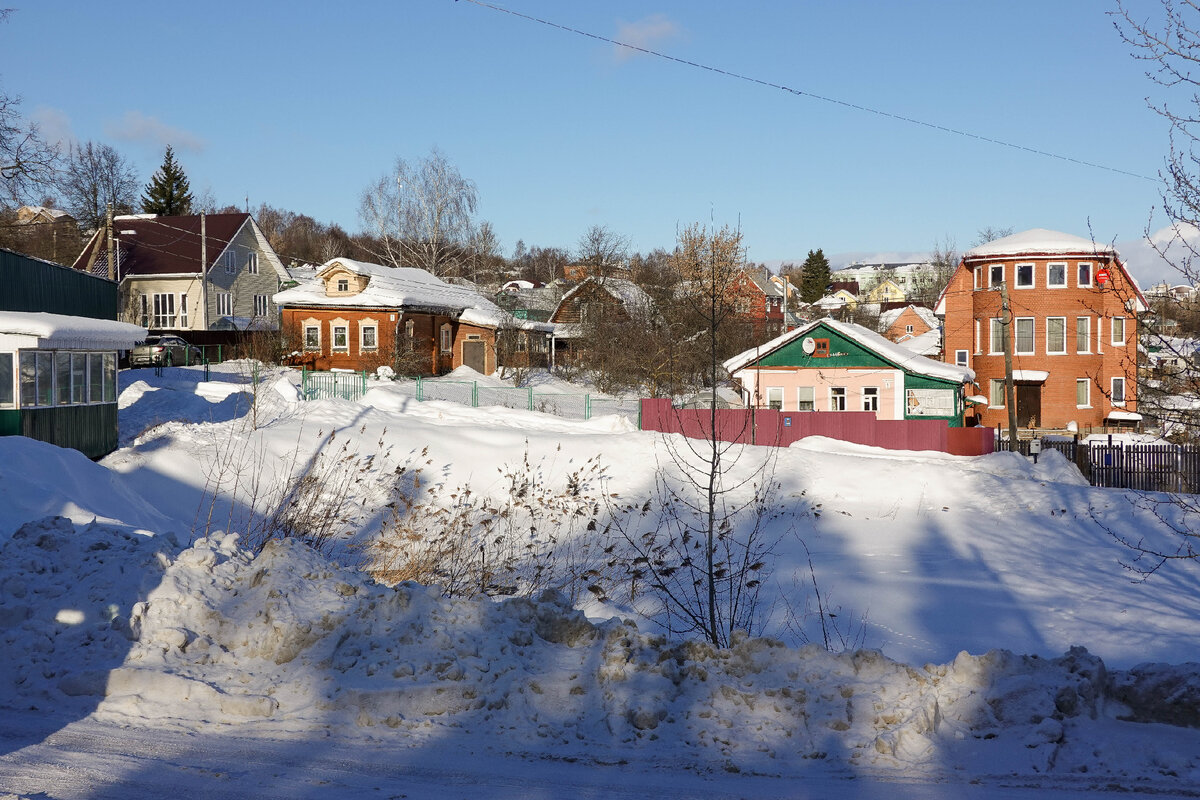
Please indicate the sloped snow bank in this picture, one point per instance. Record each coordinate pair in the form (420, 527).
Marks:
(287, 642)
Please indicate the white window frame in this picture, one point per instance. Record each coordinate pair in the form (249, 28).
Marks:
(870, 398)
(996, 393)
(363, 347)
(775, 395)
(977, 277)
(1079, 273)
(1032, 275)
(8, 380)
(1083, 333)
(164, 310)
(1050, 265)
(1031, 322)
(343, 284)
(962, 357)
(908, 328)
(230, 262)
(837, 398)
(262, 305)
(810, 401)
(1086, 385)
(343, 329)
(992, 274)
(308, 345)
(1114, 324)
(252, 262)
(446, 338)
(978, 341)
(1114, 394)
(1100, 335)
(995, 336)
(1063, 337)
(224, 304)
(183, 310)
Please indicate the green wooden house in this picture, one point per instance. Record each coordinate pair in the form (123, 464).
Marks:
(828, 365)
(59, 340)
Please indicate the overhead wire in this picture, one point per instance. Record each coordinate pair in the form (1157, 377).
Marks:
(805, 93)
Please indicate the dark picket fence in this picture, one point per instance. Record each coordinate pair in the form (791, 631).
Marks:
(1143, 467)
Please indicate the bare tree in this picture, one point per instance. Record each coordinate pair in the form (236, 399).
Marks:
(928, 285)
(28, 163)
(1169, 43)
(419, 214)
(95, 175)
(707, 549)
(989, 233)
(603, 249)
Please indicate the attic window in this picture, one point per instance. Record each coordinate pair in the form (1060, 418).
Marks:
(343, 284)
(821, 349)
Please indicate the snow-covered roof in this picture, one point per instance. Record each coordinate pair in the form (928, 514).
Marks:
(1030, 375)
(50, 331)
(395, 287)
(901, 356)
(888, 318)
(1039, 241)
(628, 293)
(1124, 416)
(928, 343)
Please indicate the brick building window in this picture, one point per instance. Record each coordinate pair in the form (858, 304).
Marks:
(1024, 276)
(1056, 335)
(996, 393)
(447, 337)
(1083, 393)
(1026, 341)
(1056, 276)
(996, 341)
(1084, 279)
(997, 274)
(1118, 330)
(1118, 391)
(1083, 334)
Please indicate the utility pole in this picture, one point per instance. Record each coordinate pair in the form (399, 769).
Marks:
(1009, 389)
(203, 271)
(112, 256)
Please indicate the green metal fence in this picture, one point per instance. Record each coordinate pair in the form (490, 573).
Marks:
(333, 385)
(353, 385)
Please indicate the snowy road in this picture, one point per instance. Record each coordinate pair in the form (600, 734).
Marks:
(91, 760)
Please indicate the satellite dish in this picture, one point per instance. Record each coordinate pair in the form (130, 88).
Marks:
(809, 345)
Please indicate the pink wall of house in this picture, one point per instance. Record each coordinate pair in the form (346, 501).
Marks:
(887, 382)
(781, 428)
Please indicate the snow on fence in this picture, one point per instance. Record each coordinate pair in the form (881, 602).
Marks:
(780, 428)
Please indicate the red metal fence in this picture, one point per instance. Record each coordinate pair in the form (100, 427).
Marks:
(781, 428)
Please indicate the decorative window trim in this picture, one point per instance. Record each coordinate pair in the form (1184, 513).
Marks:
(446, 338)
(365, 325)
(821, 349)
(336, 325)
(314, 326)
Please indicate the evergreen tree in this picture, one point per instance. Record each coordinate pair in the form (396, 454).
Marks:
(815, 277)
(168, 193)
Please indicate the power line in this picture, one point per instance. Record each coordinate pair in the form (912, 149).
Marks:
(802, 93)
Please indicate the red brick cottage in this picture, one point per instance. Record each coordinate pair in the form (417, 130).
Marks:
(355, 315)
(1073, 335)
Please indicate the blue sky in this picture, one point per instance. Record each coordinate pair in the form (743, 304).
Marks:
(302, 105)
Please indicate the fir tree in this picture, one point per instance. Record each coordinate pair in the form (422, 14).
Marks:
(168, 193)
(815, 278)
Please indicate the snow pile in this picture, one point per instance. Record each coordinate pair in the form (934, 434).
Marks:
(289, 643)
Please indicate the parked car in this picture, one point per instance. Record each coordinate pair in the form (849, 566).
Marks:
(158, 351)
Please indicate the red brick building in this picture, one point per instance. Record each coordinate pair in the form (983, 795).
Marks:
(1073, 334)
